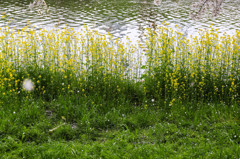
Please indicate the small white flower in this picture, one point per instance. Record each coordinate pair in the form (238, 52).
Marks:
(192, 84)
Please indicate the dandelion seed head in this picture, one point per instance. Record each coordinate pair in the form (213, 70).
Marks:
(28, 85)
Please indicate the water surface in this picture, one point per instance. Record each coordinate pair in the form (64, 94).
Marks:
(119, 17)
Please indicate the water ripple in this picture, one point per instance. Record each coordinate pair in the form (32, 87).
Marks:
(120, 17)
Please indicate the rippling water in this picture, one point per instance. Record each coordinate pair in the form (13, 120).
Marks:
(119, 17)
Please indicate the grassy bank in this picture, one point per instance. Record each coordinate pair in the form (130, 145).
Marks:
(68, 94)
(93, 127)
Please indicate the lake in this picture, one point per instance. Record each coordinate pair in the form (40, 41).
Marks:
(119, 17)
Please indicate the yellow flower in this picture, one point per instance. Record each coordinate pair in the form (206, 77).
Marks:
(63, 117)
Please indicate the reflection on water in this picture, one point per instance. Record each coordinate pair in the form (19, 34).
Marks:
(119, 17)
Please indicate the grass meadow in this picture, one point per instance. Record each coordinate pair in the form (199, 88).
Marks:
(69, 94)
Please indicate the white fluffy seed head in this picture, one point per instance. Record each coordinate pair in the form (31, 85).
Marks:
(28, 85)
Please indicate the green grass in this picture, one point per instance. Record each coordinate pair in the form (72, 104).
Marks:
(92, 126)
(95, 97)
